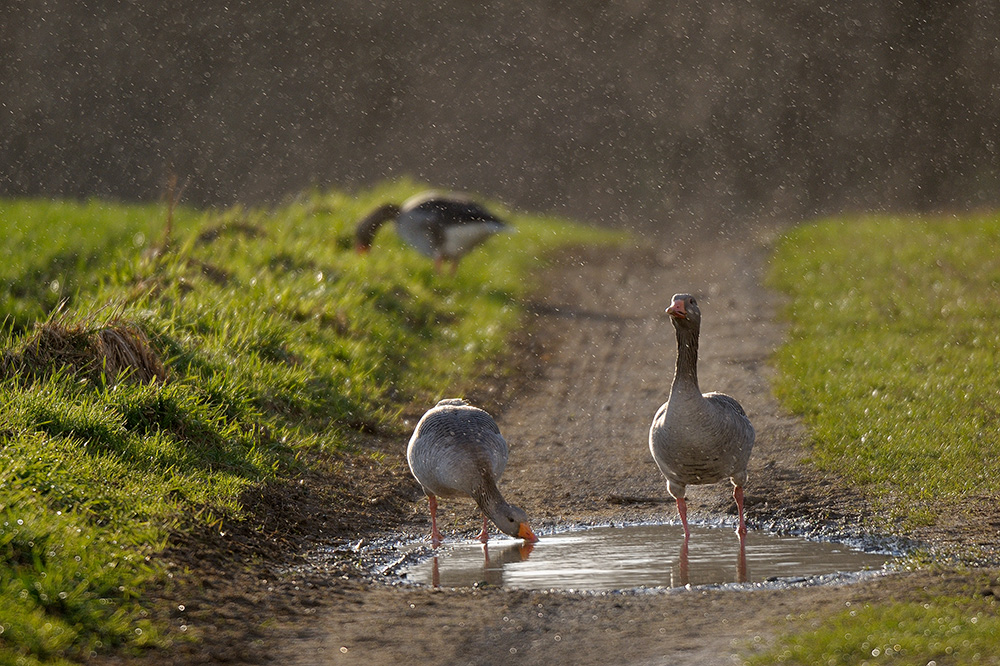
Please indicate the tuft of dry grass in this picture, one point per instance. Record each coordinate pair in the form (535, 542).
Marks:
(125, 351)
(117, 350)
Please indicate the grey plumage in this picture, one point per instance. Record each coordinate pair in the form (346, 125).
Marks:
(457, 450)
(444, 227)
(698, 438)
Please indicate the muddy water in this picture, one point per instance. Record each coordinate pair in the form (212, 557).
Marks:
(611, 558)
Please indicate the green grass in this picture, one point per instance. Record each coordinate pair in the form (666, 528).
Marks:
(52, 249)
(276, 338)
(941, 628)
(894, 353)
(892, 360)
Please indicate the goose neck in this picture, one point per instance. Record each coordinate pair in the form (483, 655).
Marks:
(369, 225)
(488, 497)
(686, 369)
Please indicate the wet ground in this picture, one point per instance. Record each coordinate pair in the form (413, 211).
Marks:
(575, 404)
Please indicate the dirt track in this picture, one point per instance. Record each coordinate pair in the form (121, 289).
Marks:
(578, 433)
(594, 366)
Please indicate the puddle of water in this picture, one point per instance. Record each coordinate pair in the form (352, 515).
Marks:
(615, 558)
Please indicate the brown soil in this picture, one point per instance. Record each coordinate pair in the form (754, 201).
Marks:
(593, 366)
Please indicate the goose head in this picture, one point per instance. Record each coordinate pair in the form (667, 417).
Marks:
(513, 520)
(684, 312)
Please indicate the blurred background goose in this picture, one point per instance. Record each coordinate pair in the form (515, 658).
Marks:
(443, 227)
(698, 438)
(457, 451)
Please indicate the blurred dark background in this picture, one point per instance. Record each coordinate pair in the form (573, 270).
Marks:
(629, 112)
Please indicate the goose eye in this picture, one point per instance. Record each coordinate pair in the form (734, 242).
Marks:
(693, 302)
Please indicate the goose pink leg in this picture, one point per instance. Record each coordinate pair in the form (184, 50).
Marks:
(436, 538)
(738, 496)
(484, 536)
(683, 511)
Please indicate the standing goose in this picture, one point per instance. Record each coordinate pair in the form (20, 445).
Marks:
(698, 438)
(457, 451)
(442, 227)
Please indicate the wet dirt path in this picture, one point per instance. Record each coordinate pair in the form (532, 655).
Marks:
(579, 454)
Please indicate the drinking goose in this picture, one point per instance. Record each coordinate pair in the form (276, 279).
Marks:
(698, 438)
(457, 451)
(442, 227)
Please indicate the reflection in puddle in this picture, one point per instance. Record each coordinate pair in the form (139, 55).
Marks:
(611, 558)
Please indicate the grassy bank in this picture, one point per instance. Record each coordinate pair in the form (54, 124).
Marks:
(892, 360)
(151, 373)
(944, 622)
(892, 357)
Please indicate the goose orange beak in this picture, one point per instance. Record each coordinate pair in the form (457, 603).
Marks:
(676, 309)
(524, 532)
